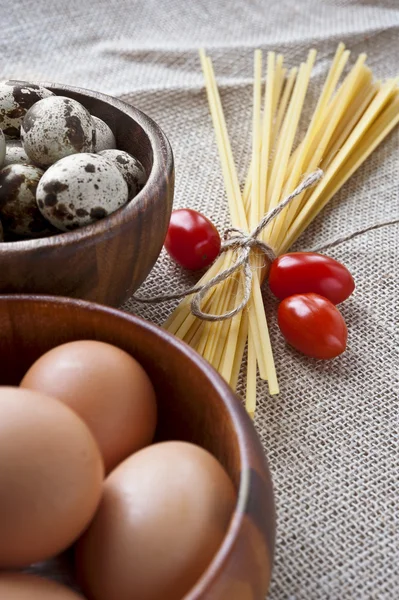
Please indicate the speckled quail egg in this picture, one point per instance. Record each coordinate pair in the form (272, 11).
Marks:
(54, 128)
(18, 209)
(16, 98)
(131, 169)
(2, 148)
(104, 138)
(80, 189)
(15, 154)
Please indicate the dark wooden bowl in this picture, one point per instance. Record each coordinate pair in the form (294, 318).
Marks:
(107, 261)
(195, 405)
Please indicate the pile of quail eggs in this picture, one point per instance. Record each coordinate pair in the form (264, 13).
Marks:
(59, 165)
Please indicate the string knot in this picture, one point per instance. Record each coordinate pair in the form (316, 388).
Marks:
(237, 239)
(243, 244)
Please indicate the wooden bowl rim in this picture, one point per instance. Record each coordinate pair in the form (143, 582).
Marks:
(227, 396)
(161, 170)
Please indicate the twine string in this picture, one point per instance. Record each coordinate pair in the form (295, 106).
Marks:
(350, 236)
(243, 244)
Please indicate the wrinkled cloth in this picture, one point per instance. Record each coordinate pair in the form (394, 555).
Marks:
(331, 436)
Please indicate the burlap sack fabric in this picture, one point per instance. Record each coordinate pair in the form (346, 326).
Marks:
(331, 436)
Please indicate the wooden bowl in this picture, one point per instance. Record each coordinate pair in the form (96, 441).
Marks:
(108, 260)
(195, 405)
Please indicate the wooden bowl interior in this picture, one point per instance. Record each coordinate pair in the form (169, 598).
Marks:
(194, 405)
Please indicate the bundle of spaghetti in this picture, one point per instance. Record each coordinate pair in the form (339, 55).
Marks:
(349, 121)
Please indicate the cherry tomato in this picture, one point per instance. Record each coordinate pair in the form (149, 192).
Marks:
(312, 325)
(192, 240)
(302, 272)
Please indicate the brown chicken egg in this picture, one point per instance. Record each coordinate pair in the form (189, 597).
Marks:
(51, 476)
(163, 515)
(18, 586)
(106, 387)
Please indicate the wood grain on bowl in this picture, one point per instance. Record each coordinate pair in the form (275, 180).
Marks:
(194, 405)
(107, 261)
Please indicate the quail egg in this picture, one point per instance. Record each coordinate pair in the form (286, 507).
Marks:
(80, 189)
(15, 154)
(54, 128)
(132, 170)
(104, 138)
(18, 209)
(2, 148)
(16, 98)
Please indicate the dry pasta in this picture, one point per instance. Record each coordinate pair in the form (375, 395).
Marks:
(349, 121)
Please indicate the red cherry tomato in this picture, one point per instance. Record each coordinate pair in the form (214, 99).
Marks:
(303, 272)
(192, 240)
(312, 325)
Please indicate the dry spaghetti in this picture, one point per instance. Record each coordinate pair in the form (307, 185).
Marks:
(349, 121)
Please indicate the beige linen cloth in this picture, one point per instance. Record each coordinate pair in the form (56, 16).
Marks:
(331, 436)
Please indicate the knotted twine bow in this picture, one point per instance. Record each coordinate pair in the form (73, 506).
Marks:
(243, 243)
